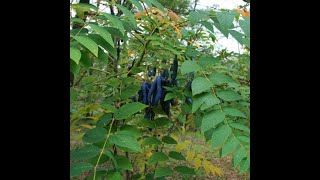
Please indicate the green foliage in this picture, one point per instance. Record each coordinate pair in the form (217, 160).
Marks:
(162, 171)
(109, 58)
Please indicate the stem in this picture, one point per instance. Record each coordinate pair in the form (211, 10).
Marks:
(104, 146)
(92, 68)
(136, 64)
(127, 171)
(80, 78)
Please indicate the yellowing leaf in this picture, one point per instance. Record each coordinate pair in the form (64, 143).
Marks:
(197, 163)
(175, 137)
(180, 147)
(243, 12)
(206, 167)
(174, 16)
(148, 155)
(200, 156)
(215, 170)
(187, 142)
(190, 155)
(86, 126)
(130, 52)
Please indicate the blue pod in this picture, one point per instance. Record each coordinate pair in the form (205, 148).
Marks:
(152, 90)
(144, 93)
(188, 100)
(158, 92)
(149, 73)
(165, 74)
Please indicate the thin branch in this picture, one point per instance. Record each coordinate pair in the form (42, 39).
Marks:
(137, 38)
(80, 79)
(104, 146)
(136, 64)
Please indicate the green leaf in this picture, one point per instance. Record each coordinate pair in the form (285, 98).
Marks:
(244, 139)
(111, 156)
(208, 134)
(103, 56)
(131, 130)
(137, 4)
(75, 54)
(85, 152)
(191, 51)
(234, 112)
(226, 19)
(114, 82)
(157, 157)
(128, 80)
(114, 176)
(163, 171)
(108, 107)
(103, 33)
(244, 165)
(129, 109)
(189, 66)
(129, 90)
(84, 6)
(245, 26)
(172, 50)
(88, 43)
(123, 163)
(162, 121)
(211, 119)
(148, 3)
(220, 78)
(176, 155)
(94, 135)
(169, 96)
(238, 36)
(104, 158)
(240, 127)
(229, 95)
(115, 22)
(103, 43)
(185, 170)
(169, 140)
(231, 144)
(128, 14)
(220, 135)
(198, 100)
(195, 17)
(125, 141)
(150, 141)
(85, 60)
(207, 25)
(246, 42)
(211, 101)
(75, 68)
(238, 156)
(216, 23)
(208, 61)
(76, 20)
(87, 80)
(157, 4)
(200, 85)
(104, 120)
(79, 168)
